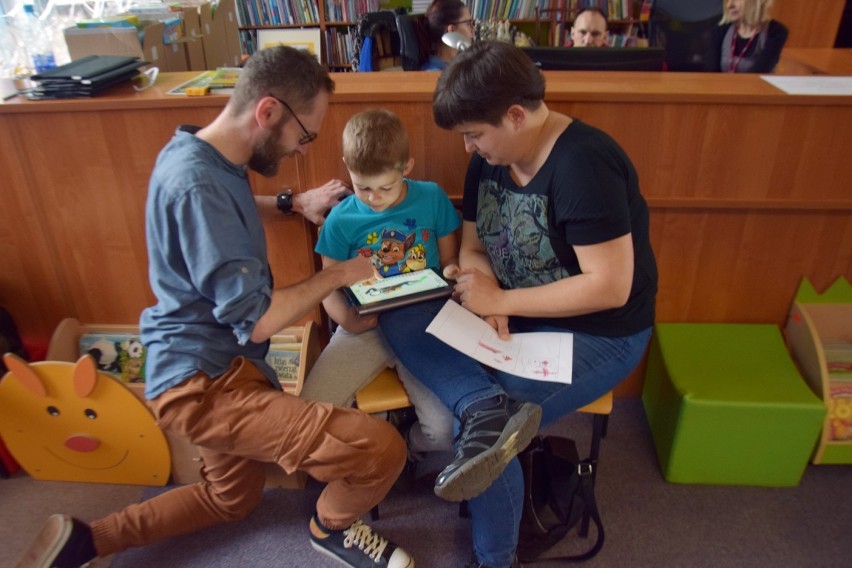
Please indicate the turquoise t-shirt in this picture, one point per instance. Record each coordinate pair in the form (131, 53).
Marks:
(403, 238)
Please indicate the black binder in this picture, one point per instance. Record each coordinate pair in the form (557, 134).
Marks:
(85, 77)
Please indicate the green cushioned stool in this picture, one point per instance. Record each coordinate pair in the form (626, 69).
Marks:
(726, 405)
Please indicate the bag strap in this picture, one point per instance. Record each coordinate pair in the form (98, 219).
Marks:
(585, 471)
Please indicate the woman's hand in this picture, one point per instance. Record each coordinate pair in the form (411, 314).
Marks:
(500, 325)
(478, 292)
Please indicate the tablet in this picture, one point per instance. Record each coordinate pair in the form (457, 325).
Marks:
(378, 294)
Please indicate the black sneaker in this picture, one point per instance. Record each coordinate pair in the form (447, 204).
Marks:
(358, 547)
(64, 542)
(489, 439)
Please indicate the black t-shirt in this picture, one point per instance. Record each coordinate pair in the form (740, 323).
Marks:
(586, 192)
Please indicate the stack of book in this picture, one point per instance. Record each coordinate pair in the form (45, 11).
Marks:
(84, 77)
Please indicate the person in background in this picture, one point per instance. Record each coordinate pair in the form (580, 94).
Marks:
(208, 335)
(555, 238)
(590, 29)
(747, 40)
(444, 16)
(403, 225)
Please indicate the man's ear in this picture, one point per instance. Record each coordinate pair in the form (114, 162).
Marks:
(265, 111)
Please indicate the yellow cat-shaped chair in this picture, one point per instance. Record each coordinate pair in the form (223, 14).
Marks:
(68, 422)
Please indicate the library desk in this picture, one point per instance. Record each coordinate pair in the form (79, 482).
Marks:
(748, 187)
(815, 61)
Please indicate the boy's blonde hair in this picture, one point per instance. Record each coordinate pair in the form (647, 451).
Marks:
(375, 141)
(754, 12)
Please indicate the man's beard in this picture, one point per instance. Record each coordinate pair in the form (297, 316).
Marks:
(267, 155)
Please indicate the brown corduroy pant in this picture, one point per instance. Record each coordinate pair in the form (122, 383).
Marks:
(240, 422)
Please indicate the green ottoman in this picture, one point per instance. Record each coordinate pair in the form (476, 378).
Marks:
(726, 405)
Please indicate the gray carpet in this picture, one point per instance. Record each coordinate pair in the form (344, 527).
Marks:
(648, 522)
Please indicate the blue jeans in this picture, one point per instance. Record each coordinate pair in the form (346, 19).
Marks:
(455, 378)
(600, 363)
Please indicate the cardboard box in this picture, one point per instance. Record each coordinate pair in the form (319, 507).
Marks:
(118, 41)
(183, 49)
(175, 57)
(194, 37)
(221, 35)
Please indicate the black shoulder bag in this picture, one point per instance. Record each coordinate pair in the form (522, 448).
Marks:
(558, 493)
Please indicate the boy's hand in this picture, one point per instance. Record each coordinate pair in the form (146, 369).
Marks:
(357, 324)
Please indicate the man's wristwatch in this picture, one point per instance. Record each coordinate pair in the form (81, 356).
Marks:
(284, 201)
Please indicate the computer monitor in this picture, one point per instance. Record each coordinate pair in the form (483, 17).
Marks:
(597, 58)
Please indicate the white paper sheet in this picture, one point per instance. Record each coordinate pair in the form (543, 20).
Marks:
(811, 85)
(541, 355)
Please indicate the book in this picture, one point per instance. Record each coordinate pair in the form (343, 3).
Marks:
(200, 80)
(379, 294)
(224, 80)
(121, 355)
(285, 359)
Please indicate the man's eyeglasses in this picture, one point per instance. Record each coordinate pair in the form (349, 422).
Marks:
(468, 21)
(308, 136)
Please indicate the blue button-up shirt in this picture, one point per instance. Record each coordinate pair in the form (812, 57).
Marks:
(207, 266)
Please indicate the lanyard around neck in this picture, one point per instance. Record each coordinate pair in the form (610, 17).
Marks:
(735, 60)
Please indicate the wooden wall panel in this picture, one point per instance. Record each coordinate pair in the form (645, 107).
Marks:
(73, 235)
(31, 286)
(811, 23)
(748, 189)
(744, 265)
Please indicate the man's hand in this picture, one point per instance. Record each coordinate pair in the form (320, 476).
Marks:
(353, 270)
(313, 204)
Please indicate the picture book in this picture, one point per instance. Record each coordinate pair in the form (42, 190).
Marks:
(378, 294)
(285, 359)
(118, 354)
(224, 79)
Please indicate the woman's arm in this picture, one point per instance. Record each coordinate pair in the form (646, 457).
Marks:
(605, 283)
(766, 60)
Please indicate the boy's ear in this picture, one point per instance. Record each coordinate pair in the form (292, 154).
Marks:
(409, 165)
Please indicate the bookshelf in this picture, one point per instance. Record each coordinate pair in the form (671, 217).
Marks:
(548, 22)
(336, 21)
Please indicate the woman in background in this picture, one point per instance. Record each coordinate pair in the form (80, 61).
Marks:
(748, 40)
(441, 17)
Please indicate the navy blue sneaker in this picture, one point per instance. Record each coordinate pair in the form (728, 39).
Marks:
(64, 542)
(490, 437)
(358, 547)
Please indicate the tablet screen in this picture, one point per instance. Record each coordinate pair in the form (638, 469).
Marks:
(377, 294)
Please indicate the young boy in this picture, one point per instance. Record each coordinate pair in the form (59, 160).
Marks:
(401, 223)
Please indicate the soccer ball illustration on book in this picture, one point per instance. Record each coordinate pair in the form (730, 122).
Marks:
(69, 422)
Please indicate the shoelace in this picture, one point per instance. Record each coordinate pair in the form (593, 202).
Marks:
(361, 535)
(470, 424)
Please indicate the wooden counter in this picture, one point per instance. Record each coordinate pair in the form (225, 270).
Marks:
(748, 187)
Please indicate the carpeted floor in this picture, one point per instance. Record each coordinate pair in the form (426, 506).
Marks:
(648, 522)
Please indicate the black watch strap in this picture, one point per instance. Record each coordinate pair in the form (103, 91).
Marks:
(284, 201)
